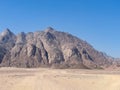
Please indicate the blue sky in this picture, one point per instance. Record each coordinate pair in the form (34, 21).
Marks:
(96, 21)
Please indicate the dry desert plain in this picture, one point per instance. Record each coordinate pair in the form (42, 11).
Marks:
(58, 79)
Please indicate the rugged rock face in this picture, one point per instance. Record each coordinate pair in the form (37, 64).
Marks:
(49, 48)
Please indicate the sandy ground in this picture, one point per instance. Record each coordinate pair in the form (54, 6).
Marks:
(55, 79)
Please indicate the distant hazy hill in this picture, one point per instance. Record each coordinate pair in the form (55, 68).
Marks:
(50, 48)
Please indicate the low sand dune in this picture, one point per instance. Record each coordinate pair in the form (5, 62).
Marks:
(55, 79)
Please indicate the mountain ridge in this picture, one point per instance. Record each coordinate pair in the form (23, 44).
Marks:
(50, 48)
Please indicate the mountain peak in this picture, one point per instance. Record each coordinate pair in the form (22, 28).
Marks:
(7, 36)
(49, 29)
(6, 32)
(7, 29)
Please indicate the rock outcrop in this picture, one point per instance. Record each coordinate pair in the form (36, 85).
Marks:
(49, 48)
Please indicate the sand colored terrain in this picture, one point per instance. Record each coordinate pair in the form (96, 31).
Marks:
(55, 79)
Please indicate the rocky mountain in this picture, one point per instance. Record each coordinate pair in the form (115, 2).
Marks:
(50, 48)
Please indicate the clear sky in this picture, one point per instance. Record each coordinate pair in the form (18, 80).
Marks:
(96, 21)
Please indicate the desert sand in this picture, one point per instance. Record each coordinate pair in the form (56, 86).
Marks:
(56, 79)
